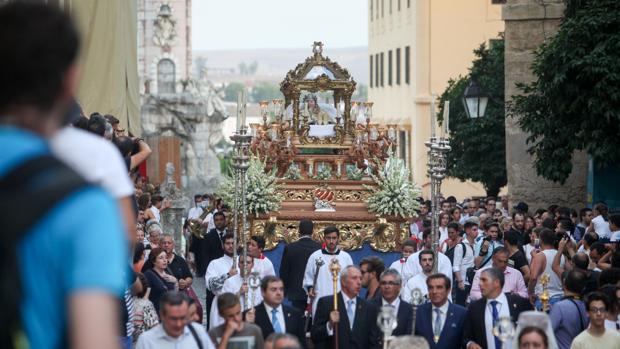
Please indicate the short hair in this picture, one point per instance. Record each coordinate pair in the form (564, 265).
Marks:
(375, 264)
(615, 219)
(138, 251)
(511, 237)
(600, 207)
(264, 283)
(154, 227)
(197, 196)
(145, 284)
(610, 292)
(344, 274)
(156, 198)
(518, 213)
(35, 59)
(495, 274)
(227, 300)
(288, 336)
(409, 243)
(219, 213)
(590, 238)
(124, 145)
(597, 296)
(501, 250)
(567, 224)
(306, 227)
(533, 329)
(143, 201)
(154, 253)
(260, 241)
(563, 211)
(493, 223)
(575, 280)
(172, 298)
(111, 119)
(228, 236)
(425, 233)
(581, 260)
(599, 247)
(331, 229)
(96, 124)
(489, 198)
(454, 226)
(469, 224)
(609, 276)
(547, 237)
(441, 276)
(451, 199)
(423, 252)
(583, 212)
(392, 272)
(549, 223)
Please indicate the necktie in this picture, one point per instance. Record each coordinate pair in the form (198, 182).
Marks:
(437, 329)
(274, 321)
(350, 312)
(495, 314)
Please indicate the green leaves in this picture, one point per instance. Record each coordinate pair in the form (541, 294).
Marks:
(575, 102)
(478, 146)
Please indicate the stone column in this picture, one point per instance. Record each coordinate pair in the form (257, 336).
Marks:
(172, 217)
(528, 24)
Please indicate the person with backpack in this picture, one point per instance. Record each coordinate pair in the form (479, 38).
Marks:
(64, 289)
(455, 250)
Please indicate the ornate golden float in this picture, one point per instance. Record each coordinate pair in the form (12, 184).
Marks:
(325, 159)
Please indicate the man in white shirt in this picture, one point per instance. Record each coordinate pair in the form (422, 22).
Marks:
(218, 271)
(262, 264)
(196, 211)
(413, 262)
(400, 265)
(426, 261)
(598, 223)
(614, 226)
(175, 331)
(471, 232)
(324, 281)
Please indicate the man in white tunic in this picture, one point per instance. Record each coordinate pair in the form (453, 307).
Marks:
(444, 267)
(426, 260)
(262, 264)
(401, 265)
(218, 271)
(324, 282)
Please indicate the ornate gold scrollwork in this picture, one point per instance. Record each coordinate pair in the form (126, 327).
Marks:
(340, 195)
(383, 237)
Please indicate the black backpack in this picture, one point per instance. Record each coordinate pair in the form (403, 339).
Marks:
(27, 193)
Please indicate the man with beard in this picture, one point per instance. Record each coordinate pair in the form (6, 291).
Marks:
(219, 271)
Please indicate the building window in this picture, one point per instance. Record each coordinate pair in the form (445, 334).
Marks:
(408, 3)
(165, 76)
(398, 5)
(390, 67)
(498, 2)
(398, 66)
(371, 10)
(403, 145)
(382, 55)
(376, 70)
(377, 9)
(382, 8)
(407, 69)
(390, 6)
(370, 70)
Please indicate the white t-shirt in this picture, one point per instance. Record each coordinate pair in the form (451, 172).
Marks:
(601, 226)
(615, 236)
(156, 213)
(95, 158)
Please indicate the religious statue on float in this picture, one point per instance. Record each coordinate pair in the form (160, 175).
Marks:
(316, 115)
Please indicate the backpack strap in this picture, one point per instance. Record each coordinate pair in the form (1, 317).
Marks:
(29, 191)
(195, 335)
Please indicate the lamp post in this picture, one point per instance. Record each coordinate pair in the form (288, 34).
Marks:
(438, 148)
(241, 163)
(475, 100)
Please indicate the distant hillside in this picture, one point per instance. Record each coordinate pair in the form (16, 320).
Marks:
(273, 64)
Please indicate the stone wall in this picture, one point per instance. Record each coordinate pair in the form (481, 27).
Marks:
(528, 24)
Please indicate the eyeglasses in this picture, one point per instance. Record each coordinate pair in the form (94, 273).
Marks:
(598, 310)
(391, 283)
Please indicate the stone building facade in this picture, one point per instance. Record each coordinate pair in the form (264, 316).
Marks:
(528, 24)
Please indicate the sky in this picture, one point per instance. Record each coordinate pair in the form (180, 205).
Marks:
(251, 24)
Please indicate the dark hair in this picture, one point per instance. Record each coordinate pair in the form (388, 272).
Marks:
(511, 237)
(597, 296)
(549, 223)
(454, 226)
(81, 123)
(331, 229)
(375, 264)
(609, 276)
(260, 241)
(590, 238)
(610, 292)
(490, 198)
(111, 119)
(451, 199)
(154, 253)
(581, 260)
(306, 227)
(583, 212)
(226, 300)
(602, 209)
(156, 198)
(143, 201)
(567, 224)
(503, 250)
(426, 252)
(469, 224)
(547, 237)
(172, 298)
(575, 280)
(145, 284)
(552, 208)
(219, 213)
(615, 219)
(197, 196)
(599, 247)
(495, 274)
(539, 212)
(228, 236)
(138, 251)
(409, 243)
(264, 283)
(441, 276)
(517, 213)
(563, 211)
(40, 43)
(96, 124)
(534, 329)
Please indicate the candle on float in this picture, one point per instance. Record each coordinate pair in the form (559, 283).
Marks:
(239, 101)
(446, 117)
(433, 116)
(243, 107)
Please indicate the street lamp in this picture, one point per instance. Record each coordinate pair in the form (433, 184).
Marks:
(475, 100)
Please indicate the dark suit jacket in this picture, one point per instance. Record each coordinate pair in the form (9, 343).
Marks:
(475, 328)
(404, 317)
(364, 335)
(293, 321)
(205, 250)
(451, 336)
(293, 266)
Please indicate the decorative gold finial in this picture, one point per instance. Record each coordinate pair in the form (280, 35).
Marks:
(544, 296)
(317, 48)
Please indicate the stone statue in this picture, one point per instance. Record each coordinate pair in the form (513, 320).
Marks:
(165, 31)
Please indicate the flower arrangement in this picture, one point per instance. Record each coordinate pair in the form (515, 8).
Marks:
(323, 173)
(354, 173)
(293, 172)
(262, 190)
(395, 194)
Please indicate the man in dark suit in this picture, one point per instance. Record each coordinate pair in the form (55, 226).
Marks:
(440, 321)
(209, 248)
(483, 313)
(273, 316)
(391, 283)
(293, 266)
(355, 321)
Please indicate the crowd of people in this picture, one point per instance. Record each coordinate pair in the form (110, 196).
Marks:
(75, 211)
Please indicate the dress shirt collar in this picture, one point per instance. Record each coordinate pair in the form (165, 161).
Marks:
(395, 303)
(269, 308)
(346, 299)
(443, 308)
(161, 333)
(500, 299)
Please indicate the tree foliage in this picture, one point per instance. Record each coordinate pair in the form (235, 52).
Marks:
(479, 145)
(265, 91)
(574, 104)
(231, 90)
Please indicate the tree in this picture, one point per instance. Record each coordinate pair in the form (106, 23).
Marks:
(574, 103)
(361, 93)
(265, 91)
(479, 145)
(231, 90)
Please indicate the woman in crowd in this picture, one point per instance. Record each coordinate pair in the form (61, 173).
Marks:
(158, 277)
(533, 338)
(444, 219)
(138, 257)
(145, 316)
